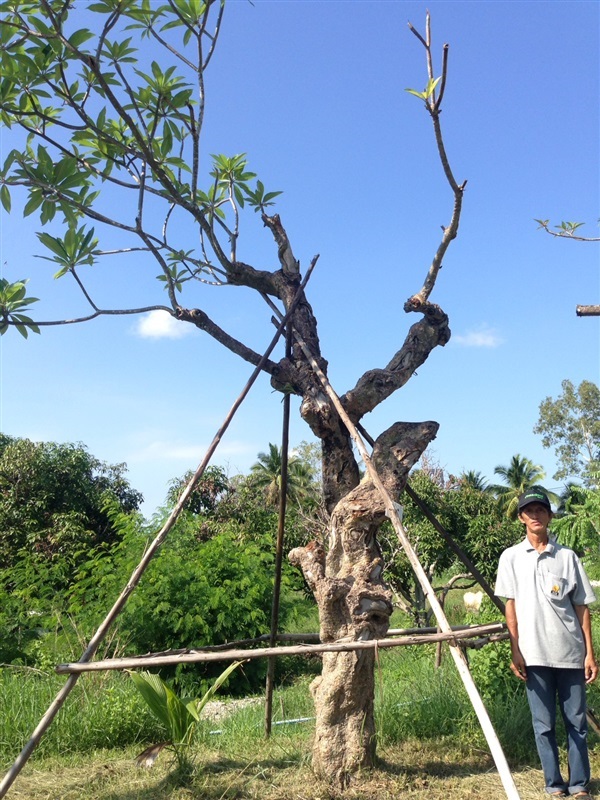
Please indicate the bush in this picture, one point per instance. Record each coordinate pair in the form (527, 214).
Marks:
(197, 594)
(490, 667)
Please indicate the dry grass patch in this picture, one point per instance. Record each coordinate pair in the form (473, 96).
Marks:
(413, 770)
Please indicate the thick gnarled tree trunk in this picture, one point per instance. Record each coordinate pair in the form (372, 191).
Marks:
(355, 605)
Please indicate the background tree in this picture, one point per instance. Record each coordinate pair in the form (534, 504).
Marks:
(59, 510)
(266, 474)
(237, 505)
(518, 476)
(578, 524)
(571, 424)
(53, 498)
(475, 480)
(470, 515)
(98, 119)
(208, 492)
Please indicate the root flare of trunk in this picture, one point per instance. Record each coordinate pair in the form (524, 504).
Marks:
(345, 731)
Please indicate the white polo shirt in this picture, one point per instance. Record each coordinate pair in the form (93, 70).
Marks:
(546, 587)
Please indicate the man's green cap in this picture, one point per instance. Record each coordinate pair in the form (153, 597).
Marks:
(534, 495)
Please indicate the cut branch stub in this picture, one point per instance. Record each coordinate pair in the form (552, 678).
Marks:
(289, 264)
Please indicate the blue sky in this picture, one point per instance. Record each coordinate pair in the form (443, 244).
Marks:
(313, 92)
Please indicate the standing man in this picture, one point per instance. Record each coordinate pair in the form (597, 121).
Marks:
(547, 595)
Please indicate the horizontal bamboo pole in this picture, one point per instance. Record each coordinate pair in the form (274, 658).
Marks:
(287, 637)
(195, 656)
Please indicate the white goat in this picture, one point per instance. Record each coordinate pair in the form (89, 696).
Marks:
(472, 600)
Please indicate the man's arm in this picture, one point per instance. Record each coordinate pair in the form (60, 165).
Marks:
(517, 663)
(590, 666)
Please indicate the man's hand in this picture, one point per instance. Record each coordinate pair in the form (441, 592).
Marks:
(590, 668)
(518, 665)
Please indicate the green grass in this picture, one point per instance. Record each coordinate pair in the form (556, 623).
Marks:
(413, 700)
(101, 712)
(419, 710)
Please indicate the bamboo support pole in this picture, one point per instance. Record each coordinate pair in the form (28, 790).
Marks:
(303, 638)
(456, 548)
(446, 536)
(196, 656)
(393, 512)
(285, 441)
(101, 632)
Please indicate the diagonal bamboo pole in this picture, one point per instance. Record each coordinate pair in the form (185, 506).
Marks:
(98, 637)
(393, 512)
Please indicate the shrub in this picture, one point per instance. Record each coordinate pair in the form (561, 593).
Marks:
(196, 594)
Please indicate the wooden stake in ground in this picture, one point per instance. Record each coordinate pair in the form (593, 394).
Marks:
(283, 488)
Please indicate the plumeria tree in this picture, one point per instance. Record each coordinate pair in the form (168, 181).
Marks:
(116, 110)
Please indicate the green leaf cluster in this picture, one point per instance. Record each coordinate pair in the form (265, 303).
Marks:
(78, 247)
(568, 228)
(95, 119)
(178, 715)
(428, 91)
(54, 185)
(13, 301)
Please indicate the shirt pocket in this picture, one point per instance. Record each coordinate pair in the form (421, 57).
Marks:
(556, 587)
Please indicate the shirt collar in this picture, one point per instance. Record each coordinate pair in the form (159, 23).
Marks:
(550, 547)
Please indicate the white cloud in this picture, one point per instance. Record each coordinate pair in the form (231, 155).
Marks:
(482, 337)
(161, 325)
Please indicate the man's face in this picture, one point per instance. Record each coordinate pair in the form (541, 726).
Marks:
(535, 517)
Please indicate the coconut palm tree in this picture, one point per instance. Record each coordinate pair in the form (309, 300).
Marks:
(266, 473)
(519, 475)
(474, 480)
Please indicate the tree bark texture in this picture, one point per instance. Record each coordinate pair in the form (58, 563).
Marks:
(355, 604)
